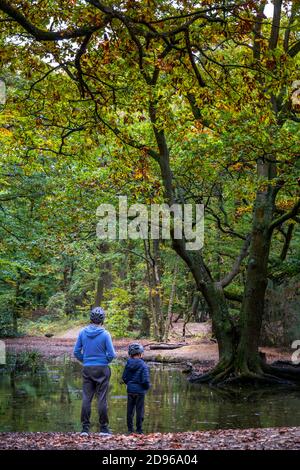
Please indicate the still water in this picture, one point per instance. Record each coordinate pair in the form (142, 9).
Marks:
(51, 401)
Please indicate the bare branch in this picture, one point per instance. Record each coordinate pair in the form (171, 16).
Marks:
(220, 225)
(192, 60)
(237, 264)
(287, 241)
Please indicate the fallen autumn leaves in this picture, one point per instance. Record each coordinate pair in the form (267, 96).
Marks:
(239, 439)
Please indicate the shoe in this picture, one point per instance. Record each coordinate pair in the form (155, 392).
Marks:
(140, 432)
(105, 431)
(84, 433)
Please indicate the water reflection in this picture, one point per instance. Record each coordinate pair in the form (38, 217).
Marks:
(51, 401)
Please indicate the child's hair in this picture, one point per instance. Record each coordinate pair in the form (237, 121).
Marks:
(135, 349)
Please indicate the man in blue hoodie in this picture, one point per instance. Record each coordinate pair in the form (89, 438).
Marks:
(95, 350)
(136, 377)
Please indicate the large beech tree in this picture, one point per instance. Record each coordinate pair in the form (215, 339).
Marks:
(218, 75)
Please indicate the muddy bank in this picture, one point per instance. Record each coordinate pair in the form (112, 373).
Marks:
(239, 439)
(203, 352)
(199, 349)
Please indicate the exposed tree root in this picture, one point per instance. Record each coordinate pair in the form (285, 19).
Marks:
(222, 369)
(233, 393)
(166, 346)
(226, 373)
(288, 372)
(251, 378)
(285, 363)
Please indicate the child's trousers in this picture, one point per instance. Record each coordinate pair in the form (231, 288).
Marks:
(135, 403)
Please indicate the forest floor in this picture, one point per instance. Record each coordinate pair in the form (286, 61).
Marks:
(199, 349)
(235, 439)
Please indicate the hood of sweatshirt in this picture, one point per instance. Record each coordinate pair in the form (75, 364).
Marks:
(134, 364)
(92, 331)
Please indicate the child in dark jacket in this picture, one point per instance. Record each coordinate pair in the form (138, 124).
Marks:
(136, 377)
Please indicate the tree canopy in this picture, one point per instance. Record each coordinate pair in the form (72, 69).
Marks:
(160, 101)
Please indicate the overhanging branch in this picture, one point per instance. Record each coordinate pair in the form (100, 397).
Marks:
(288, 215)
(42, 35)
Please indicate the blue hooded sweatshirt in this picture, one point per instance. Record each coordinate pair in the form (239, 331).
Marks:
(94, 346)
(136, 376)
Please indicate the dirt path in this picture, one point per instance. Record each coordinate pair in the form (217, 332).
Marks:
(70, 334)
(238, 439)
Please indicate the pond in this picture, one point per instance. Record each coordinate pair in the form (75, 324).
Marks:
(51, 401)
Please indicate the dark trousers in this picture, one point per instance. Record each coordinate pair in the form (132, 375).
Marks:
(95, 381)
(135, 403)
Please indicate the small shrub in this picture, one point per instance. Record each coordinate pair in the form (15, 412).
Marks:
(6, 320)
(117, 311)
(25, 361)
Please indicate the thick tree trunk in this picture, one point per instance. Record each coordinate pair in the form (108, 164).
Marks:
(217, 303)
(239, 358)
(68, 272)
(157, 298)
(257, 275)
(153, 274)
(104, 279)
(145, 325)
(132, 285)
(99, 290)
(187, 317)
(15, 310)
(170, 306)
